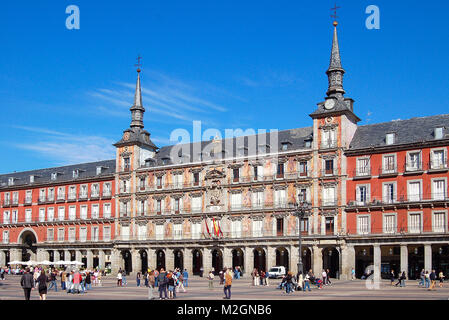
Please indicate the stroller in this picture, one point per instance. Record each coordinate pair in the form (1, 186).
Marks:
(318, 282)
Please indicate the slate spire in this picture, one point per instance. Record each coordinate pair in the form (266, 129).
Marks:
(335, 72)
(137, 110)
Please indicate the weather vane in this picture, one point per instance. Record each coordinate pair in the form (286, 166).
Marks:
(139, 63)
(335, 14)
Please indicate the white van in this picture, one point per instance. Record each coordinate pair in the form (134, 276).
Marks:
(277, 272)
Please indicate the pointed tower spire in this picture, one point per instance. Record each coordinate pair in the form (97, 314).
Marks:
(335, 72)
(137, 109)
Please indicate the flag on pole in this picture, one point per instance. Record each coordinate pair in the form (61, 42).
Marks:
(207, 227)
(216, 228)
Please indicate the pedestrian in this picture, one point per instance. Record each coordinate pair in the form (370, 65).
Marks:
(400, 280)
(52, 277)
(422, 277)
(306, 282)
(352, 274)
(162, 281)
(441, 277)
(27, 283)
(211, 280)
(288, 283)
(267, 277)
(328, 277)
(256, 278)
(185, 276)
(427, 279)
(324, 274)
(119, 278)
(181, 282)
(43, 279)
(221, 276)
(171, 285)
(392, 277)
(145, 277)
(201, 272)
(77, 282)
(124, 278)
(300, 280)
(227, 284)
(138, 279)
(88, 280)
(433, 280)
(98, 278)
(63, 280)
(151, 281)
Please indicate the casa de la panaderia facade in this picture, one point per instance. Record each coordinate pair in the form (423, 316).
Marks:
(378, 197)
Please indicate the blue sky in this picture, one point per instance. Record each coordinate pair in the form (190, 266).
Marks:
(65, 94)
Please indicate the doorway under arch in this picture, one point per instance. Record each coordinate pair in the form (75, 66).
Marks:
(179, 259)
(260, 261)
(28, 241)
(237, 258)
(160, 260)
(144, 261)
(217, 261)
(197, 261)
(282, 258)
(127, 259)
(331, 261)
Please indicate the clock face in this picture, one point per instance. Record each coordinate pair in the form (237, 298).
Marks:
(329, 104)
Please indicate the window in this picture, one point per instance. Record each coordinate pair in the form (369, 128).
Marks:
(196, 178)
(50, 234)
(141, 232)
(95, 190)
(414, 223)
(257, 199)
(329, 140)
(236, 229)
(15, 216)
(106, 233)
(362, 194)
(106, 189)
(308, 144)
(50, 214)
(5, 236)
(177, 231)
(28, 196)
(414, 161)
(10, 181)
(54, 175)
(126, 166)
(329, 196)
(83, 212)
(72, 213)
(99, 170)
(235, 174)
(41, 195)
(389, 223)
(141, 207)
(363, 225)
(95, 234)
(72, 192)
(302, 195)
(75, 174)
(439, 222)
(438, 189)
(389, 139)
(389, 164)
(7, 198)
(177, 181)
(257, 228)
(258, 173)
(196, 230)
(236, 201)
(124, 209)
(280, 198)
(159, 232)
(95, 214)
(142, 183)
(329, 166)
(197, 204)
(363, 167)
(438, 159)
(83, 234)
(107, 210)
(414, 191)
(279, 227)
(303, 168)
(41, 214)
(329, 221)
(176, 205)
(61, 235)
(304, 225)
(280, 170)
(61, 193)
(72, 234)
(61, 213)
(389, 192)
(51, 194)
(6, 217)
(15, 198)
(438, 133)
(32, 178)
(159, 206)
(159, 182)
(284, 146)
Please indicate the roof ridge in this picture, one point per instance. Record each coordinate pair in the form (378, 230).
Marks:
(402, 120)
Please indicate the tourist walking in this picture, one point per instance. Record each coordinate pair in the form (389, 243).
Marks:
(401, 280)
(427, 279)
(42, 288)
(422, 277)
(352, 274)
(211, 280)
(185, 276)
(27, 283)
(324, 274)
(433, 280)
(201, 272)
(221, 276)
(138, 279)
(151, 281)
(52, 276)
(145, 277)
(227, 284)
(441, 277)
(124, 278)
(162, 281)
(63, 280)
(171, 285)
(181, 283)
(119, 278)
(392, 277)
(88, 281)
(288, 283)
(306, 282)
(328, 279)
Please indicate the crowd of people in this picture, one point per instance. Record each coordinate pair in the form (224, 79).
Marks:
(72, 281)
(303, 282)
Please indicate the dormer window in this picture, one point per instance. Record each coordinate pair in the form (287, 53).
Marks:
(165, 161)
(285, 146)
(308, 143)
(76, 174)
(54, 176)
(32, 179)
(10, 181)
(438, 133)
(390, 138)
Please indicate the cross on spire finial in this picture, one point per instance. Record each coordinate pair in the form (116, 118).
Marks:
(139, 63)
(334, 16)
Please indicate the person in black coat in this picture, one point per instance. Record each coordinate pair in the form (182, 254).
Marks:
(43, 279)
(27, 283)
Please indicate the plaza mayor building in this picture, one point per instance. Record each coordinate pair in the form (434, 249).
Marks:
(378, 197)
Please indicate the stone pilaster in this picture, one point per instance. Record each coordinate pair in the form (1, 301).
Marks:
(428, 257)
(151, 258)
(207, 260)
(115, 261)
(66, 255)
(347, 261)
(169, 259)
(377, 263)
(248, 260)
(78, 256)
(294, 254)
(2, 258)
(101, 259)
(404, 260)
(15, 254)
(90, 259)
(227, 258)
(188, 260)
(136, 261)
(271, 257)
(317, 263)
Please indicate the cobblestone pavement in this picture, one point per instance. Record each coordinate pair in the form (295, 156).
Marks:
(241, 289)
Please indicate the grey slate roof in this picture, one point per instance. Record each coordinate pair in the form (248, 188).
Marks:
(65, 173)
(295, 139)
(137, 136)
(409, 131)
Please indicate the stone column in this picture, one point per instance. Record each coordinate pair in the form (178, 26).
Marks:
(294, 259)
(56, 256)
(66, 255)
(248, 260)
(188, 260)
(317, 263)
(428, 257)
(404, 259)
(169, 259)
(227, 258)
(271, 257)
(101, 259)
(207, 261)
(90, 259)
(2, 258)
(347, 261)
(323, 225)
(115, 261)
(336, 231)
(136, 261)
(15, 254)
(377, 263)
(152, 258)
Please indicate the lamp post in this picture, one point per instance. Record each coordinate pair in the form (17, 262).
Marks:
(300, 210)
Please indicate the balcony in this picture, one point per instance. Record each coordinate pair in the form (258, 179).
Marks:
(125, 214)
(60, 198)
(413, 168)
(28, 201)
(388, 171)
(83, 196)
(196, 209)
(95, 195)
(329, 203)
(51, 199)
(280, 204)
(438, 166)
(106, 195)
(362, 173)
(41, 200)
(71, 197)
(402, 199)
(329, 172)
(6, 203)
(329, 144)
(125, 190)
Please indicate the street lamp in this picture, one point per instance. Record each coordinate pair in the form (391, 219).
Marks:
(300, 210)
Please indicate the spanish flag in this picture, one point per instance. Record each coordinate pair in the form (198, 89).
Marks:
(217, 229)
